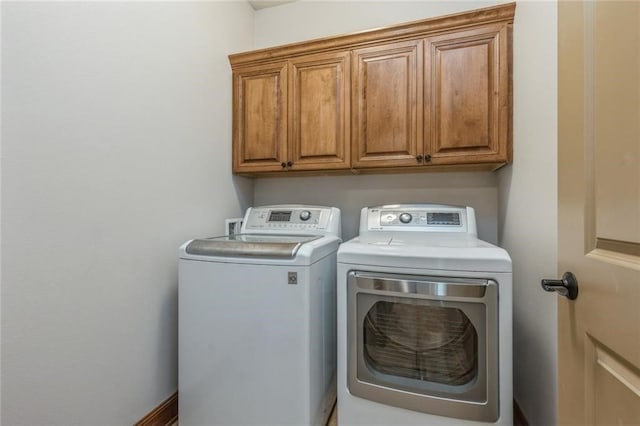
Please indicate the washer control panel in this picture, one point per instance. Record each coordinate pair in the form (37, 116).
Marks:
(291, 219)
(418, 218)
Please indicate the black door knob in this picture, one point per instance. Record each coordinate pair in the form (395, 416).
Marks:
(567, 286)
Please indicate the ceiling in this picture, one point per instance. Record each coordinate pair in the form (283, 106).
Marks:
(262, 4)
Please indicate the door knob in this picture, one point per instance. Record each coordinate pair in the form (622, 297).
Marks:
(567, 286)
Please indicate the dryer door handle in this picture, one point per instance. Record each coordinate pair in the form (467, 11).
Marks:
(410, 287)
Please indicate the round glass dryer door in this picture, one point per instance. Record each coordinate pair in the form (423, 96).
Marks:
(421, 342)
(424, 343)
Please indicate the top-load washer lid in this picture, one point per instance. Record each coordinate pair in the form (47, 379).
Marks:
(250, 245)
(285, 234)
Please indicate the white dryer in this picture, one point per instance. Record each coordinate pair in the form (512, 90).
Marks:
(257, 320)
(424, 321)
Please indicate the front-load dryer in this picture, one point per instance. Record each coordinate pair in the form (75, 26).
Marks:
(424, 321)
(257, 320)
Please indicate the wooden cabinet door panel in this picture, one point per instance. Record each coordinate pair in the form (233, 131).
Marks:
(467, 85)
(260, 105)
(387, 105)
(319, 112)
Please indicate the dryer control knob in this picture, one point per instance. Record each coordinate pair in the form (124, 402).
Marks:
(305, 215)
(405, 218)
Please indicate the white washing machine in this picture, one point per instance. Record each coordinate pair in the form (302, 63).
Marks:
(257, 320)
(424, 321)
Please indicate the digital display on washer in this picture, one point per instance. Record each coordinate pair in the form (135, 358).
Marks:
(441, 218)
(280, 216)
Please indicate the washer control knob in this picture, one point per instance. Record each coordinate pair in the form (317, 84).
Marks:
(405, 217)
(305, 215)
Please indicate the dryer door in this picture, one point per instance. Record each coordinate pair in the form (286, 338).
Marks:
(424, 343)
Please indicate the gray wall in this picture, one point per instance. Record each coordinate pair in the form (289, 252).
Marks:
(351, 193)
(116, 130)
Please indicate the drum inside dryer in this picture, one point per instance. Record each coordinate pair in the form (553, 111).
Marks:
(431, 343)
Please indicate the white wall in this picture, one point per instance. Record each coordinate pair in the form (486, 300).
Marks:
(519, 200)
(115, 149)
(308, 19)
(528, 209)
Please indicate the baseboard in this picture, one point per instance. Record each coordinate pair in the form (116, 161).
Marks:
(163, 415)
(518, 416)
(167, 413)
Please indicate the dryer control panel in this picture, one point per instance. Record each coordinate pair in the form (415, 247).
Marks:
(418, 218)
(292, 219)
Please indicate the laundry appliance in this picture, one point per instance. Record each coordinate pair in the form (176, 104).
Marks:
(424, 321)
(257, 325)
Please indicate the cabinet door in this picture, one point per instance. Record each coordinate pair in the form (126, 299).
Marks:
(387, 105)
(319, 112)
(467, 108)
(260, 118)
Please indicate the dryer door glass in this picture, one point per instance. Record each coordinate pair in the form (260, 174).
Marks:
(429, 343)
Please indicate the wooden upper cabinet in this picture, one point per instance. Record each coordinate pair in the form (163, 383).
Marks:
(260, 118)
(425, 95)
(319, 112)
(467, 110)
(292, 115)
(387, 104)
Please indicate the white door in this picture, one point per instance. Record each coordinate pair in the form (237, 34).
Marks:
(599, 211)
